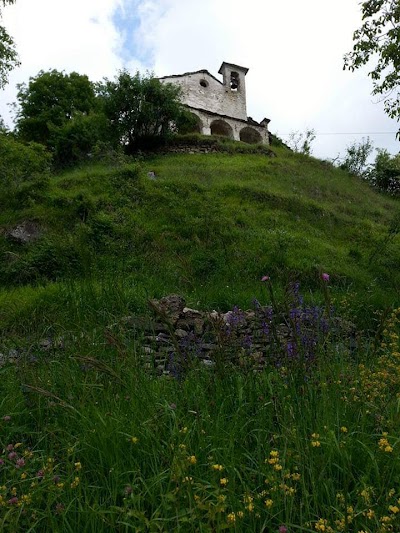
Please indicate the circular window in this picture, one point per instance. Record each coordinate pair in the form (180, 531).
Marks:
(204, 83)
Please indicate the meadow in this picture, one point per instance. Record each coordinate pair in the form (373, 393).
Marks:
(92, 440)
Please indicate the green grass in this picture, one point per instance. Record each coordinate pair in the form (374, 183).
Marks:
(105, 445)
(209, 227)
(110, 447)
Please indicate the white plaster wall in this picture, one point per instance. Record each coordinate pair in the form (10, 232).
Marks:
(217, 98)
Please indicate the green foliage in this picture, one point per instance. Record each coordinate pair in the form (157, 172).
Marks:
(141, 109)
(356, 158)
(379, 37)
(49, 102)
(24, 172)
(8, 54)
(77, 139)
(301, 142)
(385, 172)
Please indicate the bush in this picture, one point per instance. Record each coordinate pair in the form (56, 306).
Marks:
(24, 170)
(385, 173)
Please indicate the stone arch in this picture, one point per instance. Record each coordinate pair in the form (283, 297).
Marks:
(250, 135)
(189, 123)
(220, 127)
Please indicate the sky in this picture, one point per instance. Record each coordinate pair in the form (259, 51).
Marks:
(294, 51)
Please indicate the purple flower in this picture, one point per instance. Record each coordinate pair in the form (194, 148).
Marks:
(283, 529)
(265, 278)
(13, 501)
(10, 447)
(325, 277)
(12, 455)
(20, 462)
(40, 474)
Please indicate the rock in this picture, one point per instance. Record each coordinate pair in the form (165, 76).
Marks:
(180, 333)
(151, 175)
(25, 233)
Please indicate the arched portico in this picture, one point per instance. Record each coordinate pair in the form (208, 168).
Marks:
(250, 135)
(220, 127)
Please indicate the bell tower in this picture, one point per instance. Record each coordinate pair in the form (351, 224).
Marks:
(235, 86)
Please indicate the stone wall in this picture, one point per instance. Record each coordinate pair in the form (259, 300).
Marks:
(180, 337)
(213, 96)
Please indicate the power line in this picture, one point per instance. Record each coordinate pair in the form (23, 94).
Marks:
(351, 133)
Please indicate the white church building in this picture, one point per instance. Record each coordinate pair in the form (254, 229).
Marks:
(220, 106)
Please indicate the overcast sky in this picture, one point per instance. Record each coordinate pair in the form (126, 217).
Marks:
(294, 51)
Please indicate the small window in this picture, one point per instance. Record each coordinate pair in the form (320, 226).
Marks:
(204, 83)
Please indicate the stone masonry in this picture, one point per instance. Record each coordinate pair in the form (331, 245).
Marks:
(220, 107)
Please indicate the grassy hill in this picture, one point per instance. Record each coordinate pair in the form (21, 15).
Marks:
(208, 227)
(95, 438)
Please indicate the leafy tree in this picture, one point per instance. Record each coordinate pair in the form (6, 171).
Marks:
(356, 157)
(140, 109)
(8, 54)
(379, 36)
(385, 172)
(51, 100)
(301, 142)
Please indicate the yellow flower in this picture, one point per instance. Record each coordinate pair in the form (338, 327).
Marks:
(274, 453)
(217, 467)
(183, 430)
(26, 498)
(23, 475)
(315, 443)
(75, 483)
(394, 509)
(231, 517)
(192, 459)
(223, 481)
(134, 440)
(78, 466)
(269, 503)
(240, 514)
(277, 467)
(344, 429)
(18, 444)
(370, 514)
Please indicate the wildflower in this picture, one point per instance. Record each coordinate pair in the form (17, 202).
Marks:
(394, 509)
(40, 474)
(221, 498)
(315, 443)
(277, 467)
(344, 429)
(384, 444)
(265, 278)
(20, 462)
(217, 467)
(12, 455)
(78, 466)
(7, 418)
(240, 514)
(192, 459)
(26, 498)
(75, 483)
(282, 529)
(269, 503)
(183, 430)
(325, 276)
(223, 481)
(134, 440)
(10, 447)
(23, 475)
(296, 476)
(231, 517)
(13, 501)
(59, 508)
(370, 514)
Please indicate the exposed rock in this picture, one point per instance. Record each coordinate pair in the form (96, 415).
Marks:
(25, 232)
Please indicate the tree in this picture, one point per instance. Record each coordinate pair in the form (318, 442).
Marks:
(8, 54)
(356, 157)
(49, 101)
(301, 142)
(379, 36)
(141, 109)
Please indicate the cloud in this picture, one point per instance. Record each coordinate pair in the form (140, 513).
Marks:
(294, 51)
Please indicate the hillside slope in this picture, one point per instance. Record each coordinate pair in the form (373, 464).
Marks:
(208, 227)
